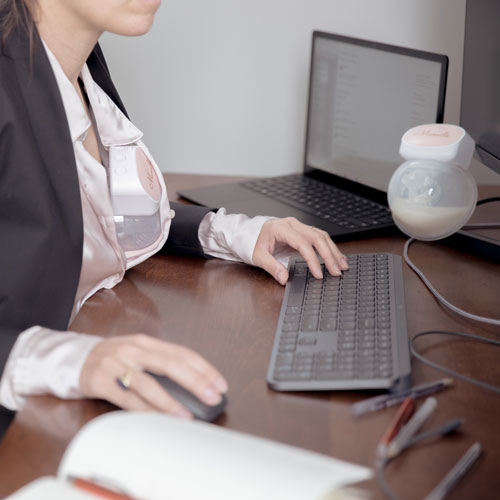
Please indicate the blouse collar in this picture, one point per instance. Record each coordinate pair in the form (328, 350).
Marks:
(114, 128)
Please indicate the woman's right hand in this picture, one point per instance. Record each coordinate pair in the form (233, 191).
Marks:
(115, 357)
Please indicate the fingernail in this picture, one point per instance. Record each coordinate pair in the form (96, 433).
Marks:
(221, 384)
(344, 262)
(281, 277)
(211, 396)
(336, 270)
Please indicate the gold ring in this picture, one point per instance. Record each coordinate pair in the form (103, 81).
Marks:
(125, 380)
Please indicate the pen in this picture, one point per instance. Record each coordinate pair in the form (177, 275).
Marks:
(456, 473)
(442, 430)
(409, 430)
(98, 490)
(385, 400)
(402, 416)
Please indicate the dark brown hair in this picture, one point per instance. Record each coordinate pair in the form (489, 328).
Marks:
(16, 14)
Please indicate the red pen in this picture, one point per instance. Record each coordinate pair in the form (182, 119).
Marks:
(402, 416)
(98, 490)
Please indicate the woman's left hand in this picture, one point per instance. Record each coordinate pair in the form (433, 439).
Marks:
(307, 240)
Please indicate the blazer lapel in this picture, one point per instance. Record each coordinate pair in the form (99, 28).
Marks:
(57, 242)
(100, 73)
(49, 125)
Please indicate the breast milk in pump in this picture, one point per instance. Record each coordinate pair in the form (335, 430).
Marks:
(432, 194)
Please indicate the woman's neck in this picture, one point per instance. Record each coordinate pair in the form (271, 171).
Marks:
(67, 38)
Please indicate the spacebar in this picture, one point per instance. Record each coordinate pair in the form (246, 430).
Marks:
(296, 294)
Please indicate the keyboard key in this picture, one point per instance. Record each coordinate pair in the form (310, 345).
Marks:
(307, 341)
(290, 335)
(304, 356)
(328, 324)
(286, 348)
(334, 375)
(309, 324)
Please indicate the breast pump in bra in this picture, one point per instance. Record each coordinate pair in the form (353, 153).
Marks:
(135, 196)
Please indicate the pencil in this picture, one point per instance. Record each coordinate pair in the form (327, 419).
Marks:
(98, 490)
(402, 416)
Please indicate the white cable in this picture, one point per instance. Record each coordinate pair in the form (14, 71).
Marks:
(453, 373)
(439, 296)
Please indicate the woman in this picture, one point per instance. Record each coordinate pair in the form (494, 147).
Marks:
(60, 120)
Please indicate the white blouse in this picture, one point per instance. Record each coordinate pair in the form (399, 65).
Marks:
(48, 361)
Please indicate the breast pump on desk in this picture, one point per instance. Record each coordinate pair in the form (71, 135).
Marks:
(432, 194)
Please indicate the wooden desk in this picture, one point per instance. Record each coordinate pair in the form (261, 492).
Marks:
(228, 312)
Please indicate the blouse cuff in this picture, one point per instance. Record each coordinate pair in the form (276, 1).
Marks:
(230, 237)
(45, 361)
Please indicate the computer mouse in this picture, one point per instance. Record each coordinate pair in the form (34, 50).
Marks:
(198, 408)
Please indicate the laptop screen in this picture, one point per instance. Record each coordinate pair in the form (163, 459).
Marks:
(363, 96)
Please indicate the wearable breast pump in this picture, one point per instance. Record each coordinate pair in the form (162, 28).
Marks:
(432, 194)
(135, 195)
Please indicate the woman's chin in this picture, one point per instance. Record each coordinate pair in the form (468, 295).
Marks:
(136, 28)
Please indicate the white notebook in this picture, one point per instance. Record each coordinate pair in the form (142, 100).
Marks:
(150, 456)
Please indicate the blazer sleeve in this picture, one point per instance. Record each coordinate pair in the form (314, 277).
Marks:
(183, 235)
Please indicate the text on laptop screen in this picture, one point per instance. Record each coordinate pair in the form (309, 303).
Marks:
(362, 100)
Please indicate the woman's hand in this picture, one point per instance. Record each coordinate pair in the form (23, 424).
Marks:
(307, 240)
(114, 358)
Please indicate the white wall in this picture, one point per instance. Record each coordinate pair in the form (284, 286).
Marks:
(220, 86)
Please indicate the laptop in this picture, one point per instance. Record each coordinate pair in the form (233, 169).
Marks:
(363, 96)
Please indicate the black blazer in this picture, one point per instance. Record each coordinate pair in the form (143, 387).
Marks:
(41, 227)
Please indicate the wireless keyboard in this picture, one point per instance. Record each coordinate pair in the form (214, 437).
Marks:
(343, 332)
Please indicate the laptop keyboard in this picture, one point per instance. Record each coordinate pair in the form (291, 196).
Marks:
(323, 200)
(343, 332)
